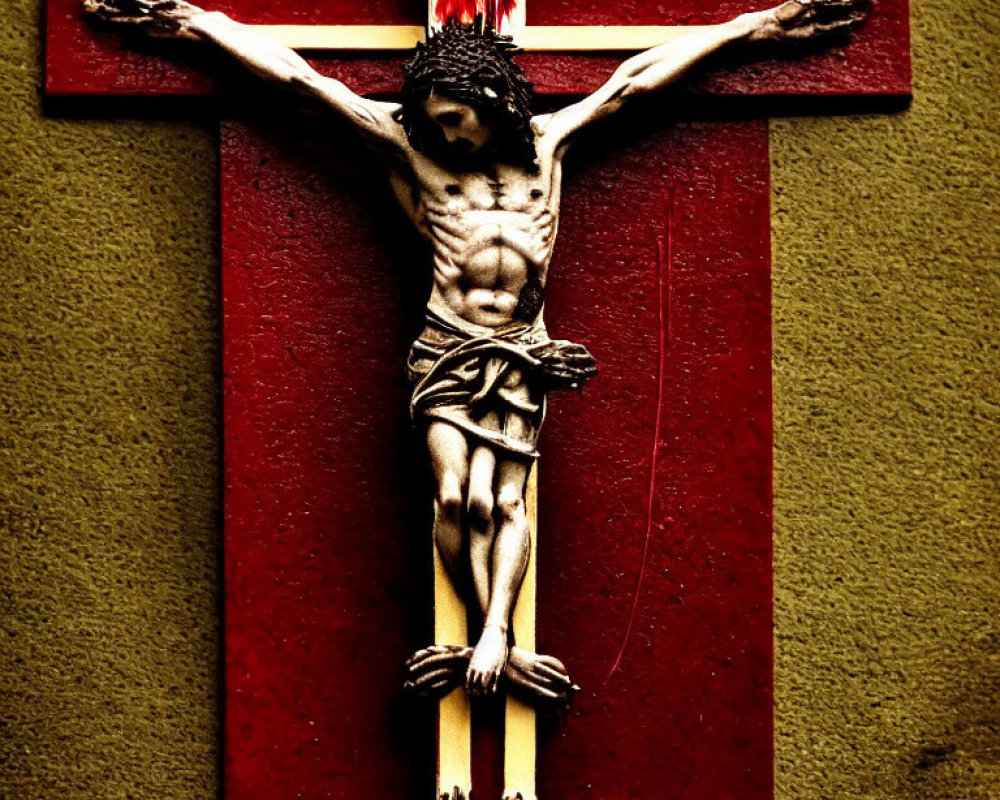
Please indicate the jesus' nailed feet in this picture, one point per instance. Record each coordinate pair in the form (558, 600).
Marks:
(539, 680)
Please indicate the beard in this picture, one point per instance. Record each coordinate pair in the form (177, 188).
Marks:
(514, 145)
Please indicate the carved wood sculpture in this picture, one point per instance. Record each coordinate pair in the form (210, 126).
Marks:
(479, 175)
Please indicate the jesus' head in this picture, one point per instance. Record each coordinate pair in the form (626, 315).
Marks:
(464, 97)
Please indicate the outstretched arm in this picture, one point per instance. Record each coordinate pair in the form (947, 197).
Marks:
(259, 53)
(660, 66)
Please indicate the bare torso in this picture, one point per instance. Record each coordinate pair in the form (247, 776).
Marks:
(492, 234)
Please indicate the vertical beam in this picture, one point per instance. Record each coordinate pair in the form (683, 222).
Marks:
(519, 720)
(454, 767)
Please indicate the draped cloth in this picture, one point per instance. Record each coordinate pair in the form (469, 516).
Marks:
(492, 383)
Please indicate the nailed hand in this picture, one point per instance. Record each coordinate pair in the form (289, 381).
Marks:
(807, 19)
(565, 364)
(155, 17)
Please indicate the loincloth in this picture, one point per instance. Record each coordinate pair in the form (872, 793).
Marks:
(491, 386)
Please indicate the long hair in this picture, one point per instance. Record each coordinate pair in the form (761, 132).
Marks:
(472, 66)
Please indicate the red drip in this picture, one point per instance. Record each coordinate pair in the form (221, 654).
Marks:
(464, 11)
(663, 339)
(504, 8)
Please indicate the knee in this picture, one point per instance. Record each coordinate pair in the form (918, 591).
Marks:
(449, 496)
(480, 510)
(511, 504)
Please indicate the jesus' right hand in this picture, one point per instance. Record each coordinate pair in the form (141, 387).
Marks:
(159, 18)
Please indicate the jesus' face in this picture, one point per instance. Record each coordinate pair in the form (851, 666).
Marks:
(460, 124)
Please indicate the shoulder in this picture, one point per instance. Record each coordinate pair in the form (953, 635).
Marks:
(540, 124)
(548, 144)
(377, 119)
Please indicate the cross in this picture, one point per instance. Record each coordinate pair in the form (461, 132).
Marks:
(454, 759)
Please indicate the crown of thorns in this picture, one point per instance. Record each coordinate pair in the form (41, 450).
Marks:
(470, 64)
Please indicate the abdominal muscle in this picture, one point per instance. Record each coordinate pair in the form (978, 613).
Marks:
(483, 289)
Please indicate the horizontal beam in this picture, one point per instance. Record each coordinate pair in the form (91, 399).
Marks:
(538, 38)
(345, 37)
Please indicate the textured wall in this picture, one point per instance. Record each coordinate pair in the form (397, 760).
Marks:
(887, 407)
(887, 404)
(109, 457)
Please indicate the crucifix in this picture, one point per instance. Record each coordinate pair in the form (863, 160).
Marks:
(488, 203)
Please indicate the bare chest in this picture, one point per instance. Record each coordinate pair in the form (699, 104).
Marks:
(504, 190)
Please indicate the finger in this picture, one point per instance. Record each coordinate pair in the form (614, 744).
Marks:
(577, 355)
(579, 367)
(427, 652)
(419, 655)
(575, 366)
(553, 663)
(435, 669)
(431, 677)
(794, 13)
(841, 25)
(430, 673)
(537, 684)
(835, 6)
(545, 694)
(551, 674)
(556, 684)
(571, 374)
(791, 12)
(430, 659)
(415, 674)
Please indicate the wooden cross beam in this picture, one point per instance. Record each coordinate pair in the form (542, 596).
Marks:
(537, 38)
(563, 43)
(533, 38)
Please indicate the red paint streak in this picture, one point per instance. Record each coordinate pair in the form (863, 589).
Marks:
(465, 11)
(662, 336)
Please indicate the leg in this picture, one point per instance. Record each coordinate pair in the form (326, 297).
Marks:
(510, 559)
(449, 455)
(450, 463)
(481, 526)
(510, 553)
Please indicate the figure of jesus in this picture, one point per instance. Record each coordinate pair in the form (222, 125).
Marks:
(479, 176)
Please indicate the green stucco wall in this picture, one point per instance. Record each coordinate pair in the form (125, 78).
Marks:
(887, 404)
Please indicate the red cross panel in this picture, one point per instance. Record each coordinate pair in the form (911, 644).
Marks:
(662, 269)
(654, 556)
